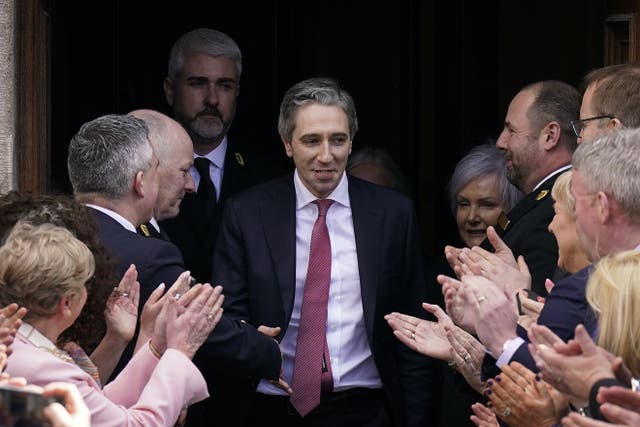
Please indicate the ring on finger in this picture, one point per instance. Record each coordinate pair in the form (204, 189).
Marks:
(467, 358)
(506, 412)
(176, 296)
(124, 294)
(481, 298)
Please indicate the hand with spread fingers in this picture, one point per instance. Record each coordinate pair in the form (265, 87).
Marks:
(455, 303)
(484, 417)
(570, 371)
(466, 356)
(423, 336)
(520, 399)
(121, 314)
(494, 312)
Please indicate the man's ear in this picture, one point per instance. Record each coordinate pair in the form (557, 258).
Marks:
(167, 84)
(614, 125)
(287, 146)
(604, 207)
(138, 184)
(550, 135)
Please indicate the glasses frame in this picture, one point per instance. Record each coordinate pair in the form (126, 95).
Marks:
(576, 123)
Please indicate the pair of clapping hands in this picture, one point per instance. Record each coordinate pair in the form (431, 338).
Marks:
(181, 318)
(568, 372)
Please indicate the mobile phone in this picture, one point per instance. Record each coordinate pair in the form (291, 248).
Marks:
(23, 407)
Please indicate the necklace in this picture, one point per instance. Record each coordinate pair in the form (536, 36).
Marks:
(34, 336)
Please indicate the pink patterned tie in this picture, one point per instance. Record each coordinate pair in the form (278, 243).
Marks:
(311, 366)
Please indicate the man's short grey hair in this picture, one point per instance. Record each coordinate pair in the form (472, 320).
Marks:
(483, 161)
(107, 153)
(610, 164)
(321, 91)
(203, 40)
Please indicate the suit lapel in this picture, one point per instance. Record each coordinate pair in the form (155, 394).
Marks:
(529, 202)
(278, 212)
(368, 221)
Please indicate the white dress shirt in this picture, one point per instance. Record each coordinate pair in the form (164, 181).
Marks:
(216, 166)
(352, 363)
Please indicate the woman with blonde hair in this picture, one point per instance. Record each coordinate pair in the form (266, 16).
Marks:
(613, 293)
(44, 268)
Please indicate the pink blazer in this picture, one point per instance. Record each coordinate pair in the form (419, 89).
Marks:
(148, 392)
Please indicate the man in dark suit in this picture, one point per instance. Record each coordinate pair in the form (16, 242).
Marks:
(268, 261)
(202, 88)
(114, 171)
(538, 142)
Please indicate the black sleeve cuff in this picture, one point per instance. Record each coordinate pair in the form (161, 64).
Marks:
(594, 406)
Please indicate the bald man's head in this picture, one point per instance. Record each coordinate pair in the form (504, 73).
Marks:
(174, 150)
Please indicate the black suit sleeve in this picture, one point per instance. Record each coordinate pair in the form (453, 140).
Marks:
(244, 350)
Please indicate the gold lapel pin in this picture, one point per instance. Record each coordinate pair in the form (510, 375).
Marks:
(503, 221)
(541, 195)
(145, 230)
(239, 159)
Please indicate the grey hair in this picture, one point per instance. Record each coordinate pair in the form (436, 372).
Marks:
(321, 91)
(203, 40)
(480, 161)
(107, 153)
(610, 164)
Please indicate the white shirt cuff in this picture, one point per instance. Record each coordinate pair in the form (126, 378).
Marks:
(508, 350)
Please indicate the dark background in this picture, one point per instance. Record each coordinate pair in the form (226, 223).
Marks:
(430, 79)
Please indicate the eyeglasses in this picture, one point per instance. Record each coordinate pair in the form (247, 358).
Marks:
(578, 125)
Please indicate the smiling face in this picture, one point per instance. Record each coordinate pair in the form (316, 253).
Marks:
(477, 207)
(520, 142)
(203, 96)
(320, 145)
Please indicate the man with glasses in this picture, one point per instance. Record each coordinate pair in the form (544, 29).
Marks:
(611, 101)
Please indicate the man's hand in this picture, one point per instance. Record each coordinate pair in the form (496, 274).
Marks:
(274, 332)
(569, 371)
(493, 311)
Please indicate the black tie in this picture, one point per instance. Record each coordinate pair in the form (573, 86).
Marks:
(206, 192)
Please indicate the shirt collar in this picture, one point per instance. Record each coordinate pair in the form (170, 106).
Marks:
(340, 194)
(122, 220)
(562, 169)
(216, 156)
(35, 337)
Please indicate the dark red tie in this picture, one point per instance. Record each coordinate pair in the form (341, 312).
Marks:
(311, 366)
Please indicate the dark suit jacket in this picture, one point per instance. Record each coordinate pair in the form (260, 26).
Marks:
(157, 262)
(255, 261)
(194, 233)
(527, 234)
(565, 308)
